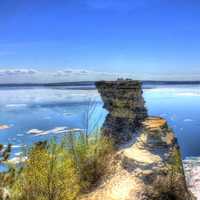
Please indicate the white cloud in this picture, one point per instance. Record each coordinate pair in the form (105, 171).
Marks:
(65, 75)
(90, 73)
(16, 72)
(68, 72)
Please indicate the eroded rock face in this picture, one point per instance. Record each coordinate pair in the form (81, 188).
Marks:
(152, 154)
(124, 101)
(159, 134)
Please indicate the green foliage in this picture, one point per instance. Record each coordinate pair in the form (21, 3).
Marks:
(61, 171)
(176, 162)
(6, 178)
(90, 156)
(48, 174)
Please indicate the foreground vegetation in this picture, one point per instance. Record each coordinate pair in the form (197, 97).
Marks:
(59, 170)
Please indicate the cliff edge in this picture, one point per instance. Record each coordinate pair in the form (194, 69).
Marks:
(147, 164)
(124, 101)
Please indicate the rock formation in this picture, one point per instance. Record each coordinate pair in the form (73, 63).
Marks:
(152, 155)
(125, 104)
(149, 164)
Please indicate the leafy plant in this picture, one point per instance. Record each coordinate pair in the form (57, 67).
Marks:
(91, 156)
(48, 174)
(6, 178)
(61, 171)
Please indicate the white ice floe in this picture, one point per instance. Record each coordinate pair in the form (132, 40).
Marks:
(195, 93)
(18, 154)
(67, 114)
(17, 160)
(47, 118)
(20, 135)
(57, 130)
(34, 131)
(21, 98)
(163, 115)
(15, 105)
(174, 91)
(2, 127)
(18, 146)
(188, 120)
(192, 172)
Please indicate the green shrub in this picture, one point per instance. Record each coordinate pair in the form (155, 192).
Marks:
(61, 171)
(89, 149)
(6, 178)
(48, 174)
(91, 158)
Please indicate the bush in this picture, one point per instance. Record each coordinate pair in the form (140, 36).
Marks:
(6, 178)
(48, 174)
(91, 158)
(60, 171)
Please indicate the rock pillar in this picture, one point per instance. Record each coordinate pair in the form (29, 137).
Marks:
(124, 101)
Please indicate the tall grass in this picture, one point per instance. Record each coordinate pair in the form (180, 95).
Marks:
(90, 155)
(49, 173)
(62, 171)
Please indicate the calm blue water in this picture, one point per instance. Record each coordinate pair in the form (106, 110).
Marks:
(180, 105)
(51, 111)
(47, 111)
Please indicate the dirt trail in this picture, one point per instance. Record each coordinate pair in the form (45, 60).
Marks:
(144, 157)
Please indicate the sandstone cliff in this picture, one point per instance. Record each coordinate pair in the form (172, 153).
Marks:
(147, 163)
(124, 101)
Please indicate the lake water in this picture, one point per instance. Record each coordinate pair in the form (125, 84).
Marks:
(52, 111)
(180, 105)
(39, 113)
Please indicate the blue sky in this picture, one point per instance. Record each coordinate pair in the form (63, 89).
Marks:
(65, 40)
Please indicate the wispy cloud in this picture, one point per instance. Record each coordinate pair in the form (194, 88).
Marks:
(16, 72)
(89, 74)
(68, 74)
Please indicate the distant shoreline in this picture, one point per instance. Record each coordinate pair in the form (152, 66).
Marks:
(87, 84)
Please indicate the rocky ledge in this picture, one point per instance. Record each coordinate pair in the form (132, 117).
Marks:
(151, 155)
(147, 164)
